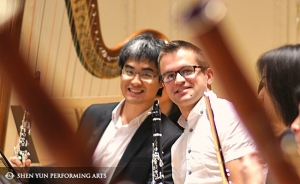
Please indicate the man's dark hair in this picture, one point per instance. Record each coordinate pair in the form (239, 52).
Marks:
(141, 47)
(144, 46)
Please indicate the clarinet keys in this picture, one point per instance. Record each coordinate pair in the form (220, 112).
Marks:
(157, 153)
(21, 151)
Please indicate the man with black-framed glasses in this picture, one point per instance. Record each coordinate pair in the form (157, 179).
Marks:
(187, 77)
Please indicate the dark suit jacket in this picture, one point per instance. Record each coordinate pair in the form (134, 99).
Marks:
(135, 164)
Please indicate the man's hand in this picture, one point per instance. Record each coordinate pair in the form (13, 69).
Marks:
(19, 167)
(252, 169)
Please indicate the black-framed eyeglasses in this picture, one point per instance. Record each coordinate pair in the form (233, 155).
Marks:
(130, 73)
(184, 72)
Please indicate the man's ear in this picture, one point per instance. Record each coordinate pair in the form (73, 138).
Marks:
(210, 76)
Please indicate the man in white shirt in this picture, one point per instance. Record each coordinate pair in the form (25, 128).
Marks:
(186, 76)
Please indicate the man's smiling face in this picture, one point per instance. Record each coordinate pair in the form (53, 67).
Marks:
(134, 89)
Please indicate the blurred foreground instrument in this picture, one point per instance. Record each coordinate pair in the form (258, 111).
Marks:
(205, 20)
(51, 126)
(7, 173)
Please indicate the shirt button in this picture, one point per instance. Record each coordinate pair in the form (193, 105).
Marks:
(201, 112)
(191, 130)
(189, 151)
(189, 172)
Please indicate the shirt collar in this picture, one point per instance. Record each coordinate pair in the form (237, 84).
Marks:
(197, 111)
(138, 120)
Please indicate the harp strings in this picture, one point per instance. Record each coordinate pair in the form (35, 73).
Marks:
(98, 59)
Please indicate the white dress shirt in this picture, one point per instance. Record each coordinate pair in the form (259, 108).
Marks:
(193, 154)
(114, 141)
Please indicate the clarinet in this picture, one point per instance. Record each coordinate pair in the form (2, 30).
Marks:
(157, 154)
(21, 149)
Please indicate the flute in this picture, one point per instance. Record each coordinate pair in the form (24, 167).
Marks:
(157, 154)
(224, 172)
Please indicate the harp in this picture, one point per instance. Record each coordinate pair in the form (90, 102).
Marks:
(95, 56)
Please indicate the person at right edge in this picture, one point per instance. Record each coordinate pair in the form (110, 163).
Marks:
(279, 73)
(187, 77)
